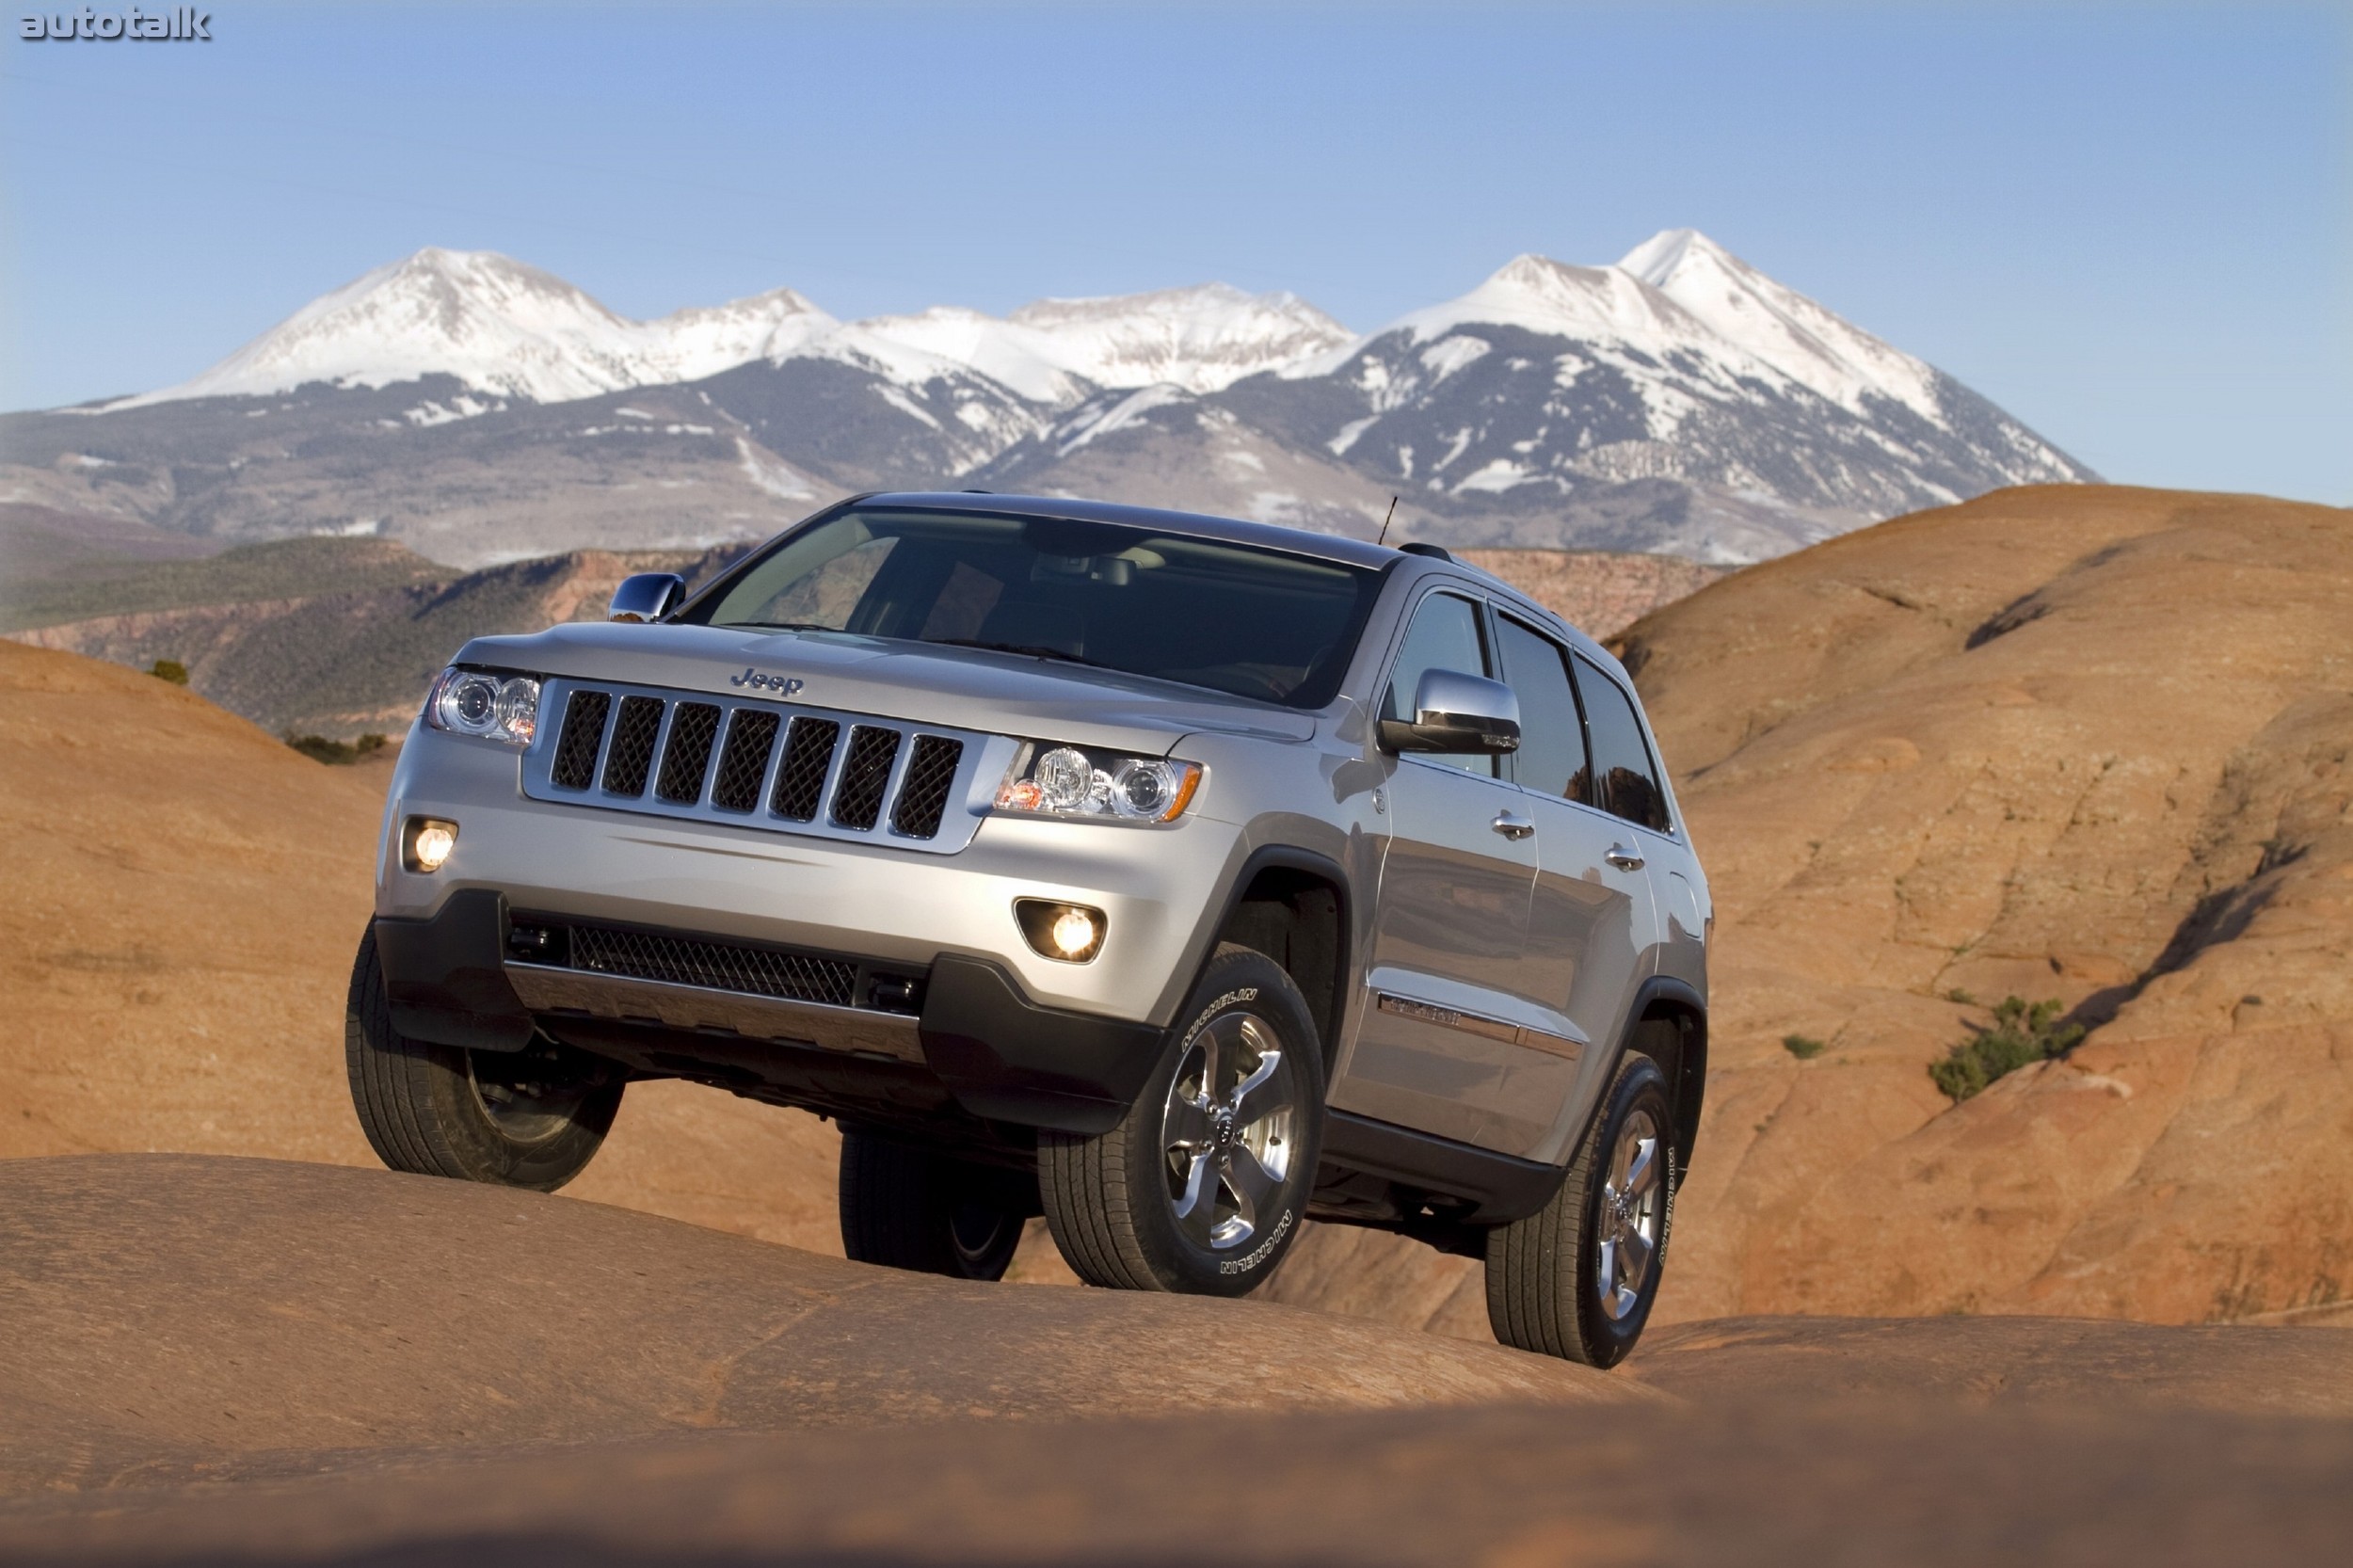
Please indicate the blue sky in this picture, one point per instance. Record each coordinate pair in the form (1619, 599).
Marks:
(2131, 226)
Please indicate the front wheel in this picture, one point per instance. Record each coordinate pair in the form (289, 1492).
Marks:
(1200, 1187)
(528, 1118)
(1576, 1278)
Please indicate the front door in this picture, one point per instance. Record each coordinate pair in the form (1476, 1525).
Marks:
(1435, 1048)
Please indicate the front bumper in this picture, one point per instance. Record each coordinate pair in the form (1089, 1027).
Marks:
(454, 979)
(1153, 883)
(1007, 1034)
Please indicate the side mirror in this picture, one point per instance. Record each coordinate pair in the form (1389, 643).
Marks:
(646, 595)
(1454, 713)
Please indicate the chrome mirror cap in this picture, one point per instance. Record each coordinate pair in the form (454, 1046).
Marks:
(1457, 714)
(648, 596)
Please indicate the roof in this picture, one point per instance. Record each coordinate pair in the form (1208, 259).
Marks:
(1265, 536)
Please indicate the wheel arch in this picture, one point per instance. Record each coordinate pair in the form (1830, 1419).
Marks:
(1668, 1022)
(1293, 904)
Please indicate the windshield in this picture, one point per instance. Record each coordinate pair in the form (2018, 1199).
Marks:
(1235, 619)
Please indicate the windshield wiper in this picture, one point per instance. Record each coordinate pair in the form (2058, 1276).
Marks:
(785, 625)
(1034, 649)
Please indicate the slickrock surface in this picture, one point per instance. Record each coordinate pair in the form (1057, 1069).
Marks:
(174, 1318)
(207, 1360)
(183, 899)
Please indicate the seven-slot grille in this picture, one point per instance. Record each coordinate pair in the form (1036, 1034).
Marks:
(855, 775)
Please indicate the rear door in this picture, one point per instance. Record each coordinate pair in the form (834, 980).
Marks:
(1435, 1048)
(1589, 915)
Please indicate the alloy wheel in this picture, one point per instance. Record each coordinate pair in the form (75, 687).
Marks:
(1226, 1134)
(1633, 1206)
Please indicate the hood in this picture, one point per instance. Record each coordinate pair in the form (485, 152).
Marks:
(1006, 693)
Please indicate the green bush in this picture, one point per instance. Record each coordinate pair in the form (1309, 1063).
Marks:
(1803, 1047)
(320, 749)
(2021, 1034)
(169, 669)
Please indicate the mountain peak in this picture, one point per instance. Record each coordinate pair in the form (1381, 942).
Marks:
(1655, 260)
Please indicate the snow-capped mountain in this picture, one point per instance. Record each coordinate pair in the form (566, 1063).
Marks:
(1678, 396)
(500, 327)
(1201, 339)
(505, 329)
(1677, 399)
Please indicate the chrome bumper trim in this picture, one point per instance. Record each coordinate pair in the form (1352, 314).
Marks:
(857, 1031)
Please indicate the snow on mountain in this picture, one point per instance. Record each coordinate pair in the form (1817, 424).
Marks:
(919, 348)
(503, 329)
(689, 344)
(1678, 399)
(1778, 324)
(1202, 339)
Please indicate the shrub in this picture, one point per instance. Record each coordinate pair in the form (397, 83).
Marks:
(169, 669)
(1803, 1047)
(320, 749)
(2021, 1034)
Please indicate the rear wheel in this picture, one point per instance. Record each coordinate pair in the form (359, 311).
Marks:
(911, 1209)
(1576, 1278)
(528, 1118)
(1201, 1185)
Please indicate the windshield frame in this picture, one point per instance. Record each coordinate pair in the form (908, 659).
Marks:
(1319, 691)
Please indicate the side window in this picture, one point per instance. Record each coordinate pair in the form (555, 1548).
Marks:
(1551, 759)
(1445, 636)
(1624, 783)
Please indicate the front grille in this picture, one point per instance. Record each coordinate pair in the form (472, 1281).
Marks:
(865, 774)
(630, 756)
(924, 793)
(692, 728)
(807, 756)
(576, 749)
(744, 760)
(714, 757)
(715, 966)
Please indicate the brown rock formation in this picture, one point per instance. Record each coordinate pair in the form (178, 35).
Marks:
(1601, 592)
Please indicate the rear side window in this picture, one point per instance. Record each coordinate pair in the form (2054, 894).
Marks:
(1445, 636)
(1625, 784)
(1551, 758)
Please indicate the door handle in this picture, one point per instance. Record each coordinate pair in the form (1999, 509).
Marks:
(1512, 826)
(1624, 858)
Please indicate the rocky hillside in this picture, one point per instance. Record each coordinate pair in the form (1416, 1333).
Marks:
(2087, 745)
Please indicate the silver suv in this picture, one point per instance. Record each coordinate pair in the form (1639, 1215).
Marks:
(1174, 877)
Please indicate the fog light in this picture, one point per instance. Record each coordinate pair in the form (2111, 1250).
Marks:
(1067, 933)
(425, 843)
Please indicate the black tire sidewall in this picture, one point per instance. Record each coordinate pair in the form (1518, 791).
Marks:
(1234, 979)
(1607, 1340)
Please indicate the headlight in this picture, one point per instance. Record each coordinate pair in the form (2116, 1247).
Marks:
(486, 704)
(1067, 781)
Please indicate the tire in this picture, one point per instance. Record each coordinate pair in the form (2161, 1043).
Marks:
(529, 1118)
(1201, 1187)
(1576, 1278)
(911, 1209)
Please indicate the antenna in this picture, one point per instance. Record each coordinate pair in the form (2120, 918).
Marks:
(1386, 520)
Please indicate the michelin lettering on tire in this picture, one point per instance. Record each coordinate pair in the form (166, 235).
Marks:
(1274, 1239)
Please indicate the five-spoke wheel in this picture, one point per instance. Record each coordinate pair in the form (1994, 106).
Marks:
(1201, 1185)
